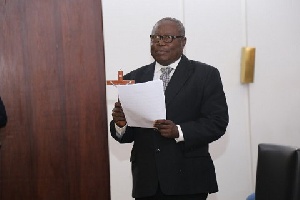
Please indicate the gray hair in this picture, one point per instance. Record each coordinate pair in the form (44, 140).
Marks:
(178, 23)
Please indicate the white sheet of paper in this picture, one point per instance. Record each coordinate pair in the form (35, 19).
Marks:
(143, 103)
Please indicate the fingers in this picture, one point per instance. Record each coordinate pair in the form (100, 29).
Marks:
(166, 128)
(118, 115)
(161, 122)
(118, 104)
(117, 111)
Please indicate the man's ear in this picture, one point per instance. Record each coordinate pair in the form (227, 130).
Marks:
(183, 42)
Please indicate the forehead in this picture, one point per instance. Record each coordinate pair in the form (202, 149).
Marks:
(166, 28)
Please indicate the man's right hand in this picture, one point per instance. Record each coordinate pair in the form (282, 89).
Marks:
(118, 115)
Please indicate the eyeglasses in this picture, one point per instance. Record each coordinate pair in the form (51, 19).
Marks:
(165, 38)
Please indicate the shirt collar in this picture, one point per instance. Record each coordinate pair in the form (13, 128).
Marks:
(172, 65)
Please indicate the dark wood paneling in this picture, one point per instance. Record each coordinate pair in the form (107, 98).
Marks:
(52, 81)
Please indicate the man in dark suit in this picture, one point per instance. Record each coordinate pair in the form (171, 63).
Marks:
(3, 117)
(171, 160)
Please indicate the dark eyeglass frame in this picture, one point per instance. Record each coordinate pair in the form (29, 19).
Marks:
(165, 38)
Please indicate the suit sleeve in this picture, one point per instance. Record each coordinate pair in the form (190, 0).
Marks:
(127, 136)
(212, 113)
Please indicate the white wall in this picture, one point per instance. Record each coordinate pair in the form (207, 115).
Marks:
(274, 29)
(216, 32)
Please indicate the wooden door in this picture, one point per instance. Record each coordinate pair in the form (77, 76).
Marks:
(52, 81)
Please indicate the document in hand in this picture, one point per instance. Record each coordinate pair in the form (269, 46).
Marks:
(143, 103)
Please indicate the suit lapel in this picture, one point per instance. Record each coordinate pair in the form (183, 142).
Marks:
(182, 73)
(147, 74)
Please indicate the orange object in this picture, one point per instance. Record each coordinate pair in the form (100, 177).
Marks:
(120, 80)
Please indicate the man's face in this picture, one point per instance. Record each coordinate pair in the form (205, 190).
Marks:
(167, 53)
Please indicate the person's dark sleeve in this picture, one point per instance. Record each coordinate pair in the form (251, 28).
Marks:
(3, 117)
(213, 119)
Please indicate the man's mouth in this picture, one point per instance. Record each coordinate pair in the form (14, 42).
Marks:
(161, 52)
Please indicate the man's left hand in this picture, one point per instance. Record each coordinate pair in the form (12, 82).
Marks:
(167, 128)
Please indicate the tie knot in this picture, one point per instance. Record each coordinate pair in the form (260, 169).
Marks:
(166, 70)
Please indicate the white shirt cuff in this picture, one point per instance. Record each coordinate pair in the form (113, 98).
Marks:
(180, 138)
(120, 130)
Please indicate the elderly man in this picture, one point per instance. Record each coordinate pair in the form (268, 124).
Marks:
(171, 161)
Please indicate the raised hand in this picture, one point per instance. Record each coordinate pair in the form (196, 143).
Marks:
(118, 115)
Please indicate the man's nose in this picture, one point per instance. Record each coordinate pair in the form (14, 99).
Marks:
(161, 42)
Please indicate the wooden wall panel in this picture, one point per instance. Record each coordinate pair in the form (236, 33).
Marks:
(52, 81)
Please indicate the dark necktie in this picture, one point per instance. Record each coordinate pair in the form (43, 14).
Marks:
(165, 76)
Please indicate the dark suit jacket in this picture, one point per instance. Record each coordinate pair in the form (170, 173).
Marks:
(3, 117)
(194, 100)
